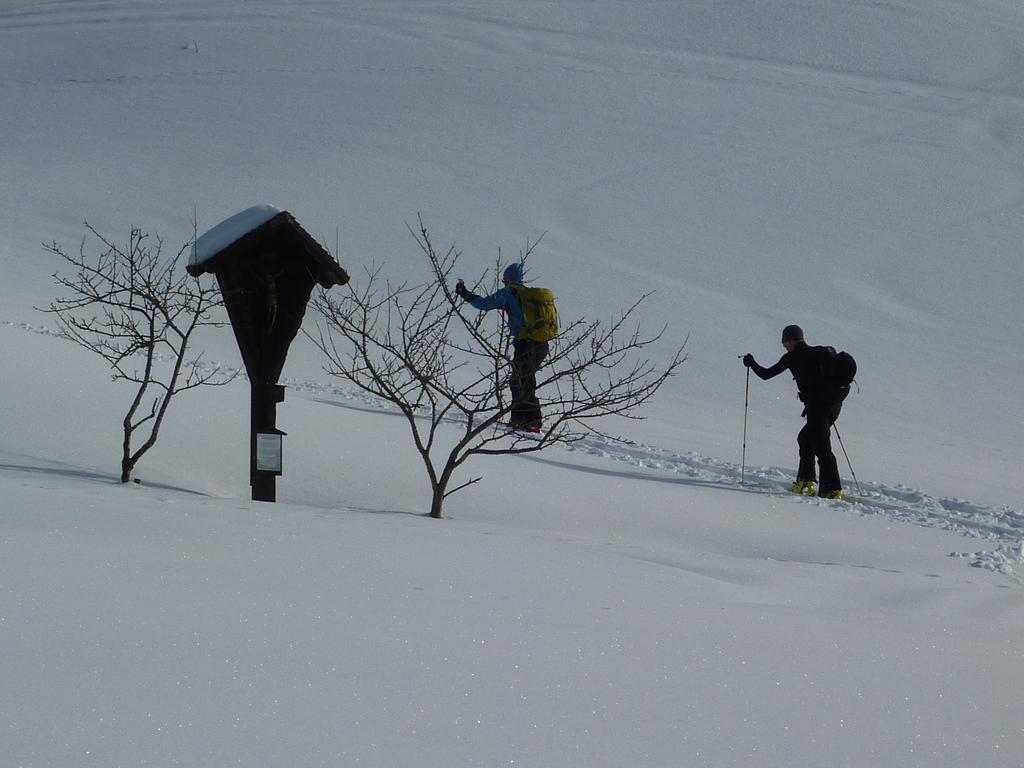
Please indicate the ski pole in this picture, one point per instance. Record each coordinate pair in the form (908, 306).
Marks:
(746, 404)
(841, 445)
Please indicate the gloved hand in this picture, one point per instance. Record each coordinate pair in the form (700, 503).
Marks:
(462, 292)
(748, 359)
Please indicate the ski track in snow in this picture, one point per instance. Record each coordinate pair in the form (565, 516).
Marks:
(1003, 527)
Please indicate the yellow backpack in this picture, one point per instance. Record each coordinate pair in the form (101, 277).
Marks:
(539, 312)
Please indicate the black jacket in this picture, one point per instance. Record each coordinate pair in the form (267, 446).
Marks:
(806, 364)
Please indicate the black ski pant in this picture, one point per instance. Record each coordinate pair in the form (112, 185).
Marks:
(526, 361)
(815, 442)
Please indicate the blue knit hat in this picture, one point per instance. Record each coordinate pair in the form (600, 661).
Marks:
(513, 273)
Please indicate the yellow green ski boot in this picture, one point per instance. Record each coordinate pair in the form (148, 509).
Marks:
(804, 488)
(834, 495)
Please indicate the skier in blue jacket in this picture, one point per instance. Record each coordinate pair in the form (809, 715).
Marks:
(528, 354)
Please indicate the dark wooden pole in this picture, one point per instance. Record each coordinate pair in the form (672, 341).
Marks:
(263, 418)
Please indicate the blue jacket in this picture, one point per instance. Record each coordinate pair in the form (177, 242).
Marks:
(503, 299)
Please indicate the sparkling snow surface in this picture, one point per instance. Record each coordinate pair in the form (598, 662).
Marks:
(857, 168)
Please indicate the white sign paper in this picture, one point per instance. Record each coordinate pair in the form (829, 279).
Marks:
(268, 452)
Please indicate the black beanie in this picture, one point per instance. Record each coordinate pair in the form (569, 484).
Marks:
(792, 333)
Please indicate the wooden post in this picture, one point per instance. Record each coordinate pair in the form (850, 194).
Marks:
(263, 418)
(266, 274)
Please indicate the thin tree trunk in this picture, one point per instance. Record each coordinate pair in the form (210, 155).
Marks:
(437, 503)
(440, 487)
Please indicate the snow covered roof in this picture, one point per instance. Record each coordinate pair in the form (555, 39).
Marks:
(259, 229)
(233, 228)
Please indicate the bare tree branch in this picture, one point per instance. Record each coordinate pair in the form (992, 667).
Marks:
(439, 361)
(130, 306)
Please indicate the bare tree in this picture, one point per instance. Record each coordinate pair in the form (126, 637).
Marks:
(440, 361)
(131, 307)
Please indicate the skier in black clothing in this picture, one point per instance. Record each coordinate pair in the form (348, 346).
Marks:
(821, 407)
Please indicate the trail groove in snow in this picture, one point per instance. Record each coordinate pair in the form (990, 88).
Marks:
(1004, 526)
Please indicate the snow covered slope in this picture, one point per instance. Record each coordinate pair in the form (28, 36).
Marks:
(854, 167)
(851, 167)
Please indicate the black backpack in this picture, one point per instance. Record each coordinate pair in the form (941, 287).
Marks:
(838, 371)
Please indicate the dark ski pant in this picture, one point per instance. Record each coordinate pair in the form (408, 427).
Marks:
(815, 441)
(526, 361)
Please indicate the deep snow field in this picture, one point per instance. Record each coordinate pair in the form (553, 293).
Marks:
(854, 167)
